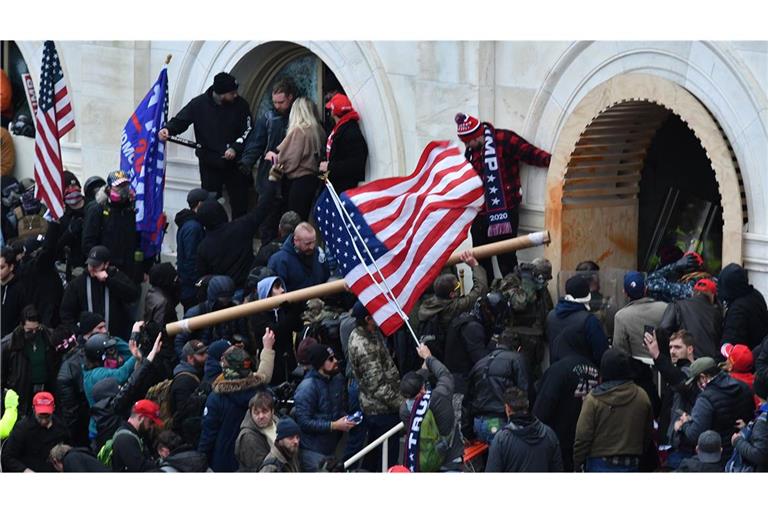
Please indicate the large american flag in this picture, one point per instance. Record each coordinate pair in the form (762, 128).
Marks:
(410, 225)
(54, 118)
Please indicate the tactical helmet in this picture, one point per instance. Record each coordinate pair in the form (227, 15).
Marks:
(97, 345)
(542, 269)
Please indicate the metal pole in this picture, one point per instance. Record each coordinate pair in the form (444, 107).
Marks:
(362, 453)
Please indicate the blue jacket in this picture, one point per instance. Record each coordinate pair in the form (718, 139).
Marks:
(224, 411)
(188, 236)
(298, 271)
(318, 402)
(121, 375)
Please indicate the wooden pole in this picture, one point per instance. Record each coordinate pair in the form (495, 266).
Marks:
(333, 287)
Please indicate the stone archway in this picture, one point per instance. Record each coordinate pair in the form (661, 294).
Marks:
(593, 178)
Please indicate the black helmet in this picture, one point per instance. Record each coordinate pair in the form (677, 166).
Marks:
(92, 184)
(494, 308)
(97, 345)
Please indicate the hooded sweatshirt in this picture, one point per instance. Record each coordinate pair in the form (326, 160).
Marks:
(189, 234)
(746, 316)
(616, 419)
(524, 445)
(572, 320)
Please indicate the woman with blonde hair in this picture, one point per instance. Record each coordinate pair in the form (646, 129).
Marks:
(297, 158)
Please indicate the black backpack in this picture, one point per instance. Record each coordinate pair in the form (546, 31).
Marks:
(432, 334)
(187, 421)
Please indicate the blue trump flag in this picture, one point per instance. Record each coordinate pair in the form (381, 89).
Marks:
(142, 156)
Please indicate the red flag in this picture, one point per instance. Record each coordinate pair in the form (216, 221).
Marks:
(53, 120)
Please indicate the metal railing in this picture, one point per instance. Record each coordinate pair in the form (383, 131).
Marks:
(383, 438)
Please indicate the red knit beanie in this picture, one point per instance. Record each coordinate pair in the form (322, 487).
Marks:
(466, 126)
(339, 105)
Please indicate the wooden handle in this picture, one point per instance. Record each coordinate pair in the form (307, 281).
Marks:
(333, 287)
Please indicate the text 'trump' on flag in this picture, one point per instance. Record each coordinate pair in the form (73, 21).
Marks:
(411, 225)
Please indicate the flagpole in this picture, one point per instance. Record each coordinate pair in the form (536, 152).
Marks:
(338, 286)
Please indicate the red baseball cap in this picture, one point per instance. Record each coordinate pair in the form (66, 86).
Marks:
(149, 409)
(43, 403)
(706, 285)
(398, 469)
(740, 356)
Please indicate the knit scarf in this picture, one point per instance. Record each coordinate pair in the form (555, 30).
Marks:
(493, 183)
(420, 408)
(349, 116)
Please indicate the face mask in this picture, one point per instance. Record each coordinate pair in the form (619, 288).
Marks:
(121, 195)
(73, 197)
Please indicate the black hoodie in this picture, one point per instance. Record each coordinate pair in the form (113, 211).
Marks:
(746, 316)
(524, 445)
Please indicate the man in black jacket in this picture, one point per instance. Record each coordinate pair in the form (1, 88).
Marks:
(12, 292)
(227, 248)
(130, 444)
(113, 225)
(38, 277)
(751, 441)
(69, 381)
(746, 316)
(222, 122)
(68, 459)
(489, 379)
(30, 443)
(187, 374)
(268, 132)
(346, 150)
(525, 444)
(723, 400)
(29, 360)
(699, 315)
(103, 289)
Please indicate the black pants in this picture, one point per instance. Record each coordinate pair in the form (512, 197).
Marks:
(507, 261)
(214, 179)
(299, 195)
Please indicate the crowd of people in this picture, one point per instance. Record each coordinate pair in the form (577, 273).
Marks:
(502, 379)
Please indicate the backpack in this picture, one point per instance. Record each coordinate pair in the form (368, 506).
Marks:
(188, 419)
(160, 393)
(105, 453)
(737, 464)
(435, 335)
(432, 446)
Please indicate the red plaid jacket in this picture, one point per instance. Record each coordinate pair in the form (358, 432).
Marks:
(512, 149)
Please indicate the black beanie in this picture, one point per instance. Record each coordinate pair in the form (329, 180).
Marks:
(318, 355)
(224, 83)
(87, 322)
(614, 365)
(577, 287)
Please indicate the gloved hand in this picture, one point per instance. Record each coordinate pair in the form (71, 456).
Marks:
(11, 399)
(685, 264)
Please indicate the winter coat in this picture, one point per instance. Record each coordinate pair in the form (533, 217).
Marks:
(524, 445)
(186, 378)
(754, 450)
(218, 286)
(694, 465)
(224, 412)
(377, 377)
(129, 454)
(299, 153)
(122, 292)
(629, 323)
(676, 397)
(13, 301)
(82, 460)
(661, 284)
(466, 343)
(227, 248)
(275, 462)
(349, 153)
(746, 316)
(616, 419)
(441, 405)
(189, 234)
(252, 443)
(296, 270)
(318, 402)
(112, 402)
(489, 379)
(16, 366)
(40, 280)
(30, 444)
(217, 127)
(703, 320)
(72, 223)
(268, 131)
(717, 408)
(114, 225)
(70, 396)
(572, 320)
(448, 309)
(184, 460)
(280, 322)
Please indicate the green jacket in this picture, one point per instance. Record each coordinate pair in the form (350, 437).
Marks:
(376, 374)
(448, 309)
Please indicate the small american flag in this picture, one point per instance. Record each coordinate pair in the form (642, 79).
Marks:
(410, 225)
(53, 120)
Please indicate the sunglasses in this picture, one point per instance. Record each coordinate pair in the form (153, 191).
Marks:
(332, 358)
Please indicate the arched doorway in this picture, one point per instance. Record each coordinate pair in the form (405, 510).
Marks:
(611, 169)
